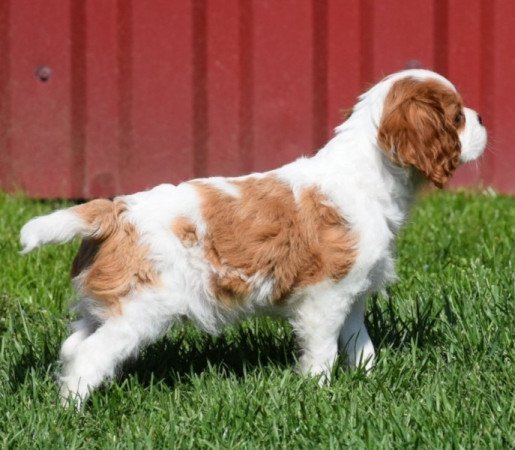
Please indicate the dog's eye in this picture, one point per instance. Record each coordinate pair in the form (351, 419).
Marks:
(459, 119)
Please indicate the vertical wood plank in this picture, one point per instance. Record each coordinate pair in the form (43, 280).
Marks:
(7, 179)
(402, 34)
(499, 92)
(79, 97)
(464, 66)
(283, 68)
(161, 103)
(224, 88)
(40, 134)
(102, 150)
(345, 52)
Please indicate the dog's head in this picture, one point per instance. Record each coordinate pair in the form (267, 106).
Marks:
(422, 123)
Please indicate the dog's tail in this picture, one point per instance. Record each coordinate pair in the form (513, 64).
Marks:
(95, 219)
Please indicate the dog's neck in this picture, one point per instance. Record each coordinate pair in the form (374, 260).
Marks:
(354, 152)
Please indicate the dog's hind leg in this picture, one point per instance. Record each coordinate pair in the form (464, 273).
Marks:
(81, 328)
(90, 360)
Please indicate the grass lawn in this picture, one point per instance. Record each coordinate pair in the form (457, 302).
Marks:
(445, 376)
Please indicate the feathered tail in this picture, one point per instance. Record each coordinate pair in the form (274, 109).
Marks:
(96, 219)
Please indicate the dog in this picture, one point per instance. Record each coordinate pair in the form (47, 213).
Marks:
(308, 241)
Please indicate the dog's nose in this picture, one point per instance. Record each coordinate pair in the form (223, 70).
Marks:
(479, 119)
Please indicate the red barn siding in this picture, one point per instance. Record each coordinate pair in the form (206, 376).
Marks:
(143, 92)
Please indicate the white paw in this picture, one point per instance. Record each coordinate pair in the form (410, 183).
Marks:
(321, 371)
(364, 359)
(72, 392)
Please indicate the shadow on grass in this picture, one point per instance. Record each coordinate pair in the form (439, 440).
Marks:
(234, 354)
(389, 328)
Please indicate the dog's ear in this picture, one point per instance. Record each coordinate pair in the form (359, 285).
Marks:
(419, 128)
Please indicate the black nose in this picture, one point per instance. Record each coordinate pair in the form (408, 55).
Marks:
(479, 119)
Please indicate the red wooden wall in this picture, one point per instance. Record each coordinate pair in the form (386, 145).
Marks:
(101, 97)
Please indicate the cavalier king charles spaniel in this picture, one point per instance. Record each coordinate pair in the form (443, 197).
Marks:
(308, 241)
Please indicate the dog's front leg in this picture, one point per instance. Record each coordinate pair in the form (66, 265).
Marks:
(354, 338)
(317, 323)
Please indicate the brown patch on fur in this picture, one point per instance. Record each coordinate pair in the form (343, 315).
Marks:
(346, 113)
(420, 125)
(113, 262)
(100, 214)
(229, 287)
(185, 230)
(265, 232)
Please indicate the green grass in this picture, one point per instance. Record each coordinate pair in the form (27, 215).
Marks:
(444, 377)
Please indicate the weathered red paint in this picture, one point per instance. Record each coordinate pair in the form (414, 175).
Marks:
(136, 93)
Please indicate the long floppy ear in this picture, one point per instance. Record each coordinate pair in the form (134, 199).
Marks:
(417, 128)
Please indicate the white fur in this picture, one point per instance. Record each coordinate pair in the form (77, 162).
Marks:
(59, 227)
(358, 180)
(473, 138)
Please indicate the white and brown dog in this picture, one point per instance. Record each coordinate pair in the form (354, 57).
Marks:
(308, 241)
